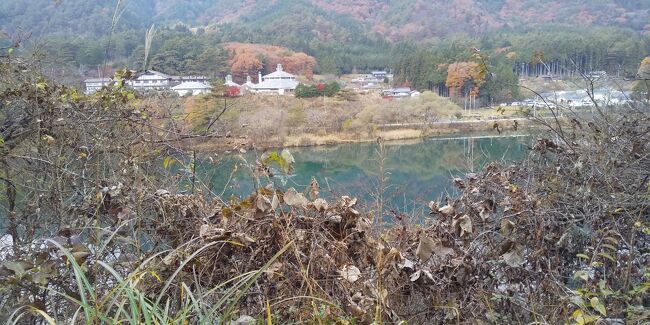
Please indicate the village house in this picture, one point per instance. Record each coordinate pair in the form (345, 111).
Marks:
(397, 93)
(365, 83)
(95, 84)
(154, 80)
(191, 88)
(151, 80)
(380, 74)
(278, 81)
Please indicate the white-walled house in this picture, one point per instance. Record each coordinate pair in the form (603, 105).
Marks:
(279, 81)
(399, 92)
(191, 88)
(153, 80)
(95, 84)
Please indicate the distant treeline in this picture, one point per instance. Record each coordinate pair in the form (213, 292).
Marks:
(507, 56)
(423, 65)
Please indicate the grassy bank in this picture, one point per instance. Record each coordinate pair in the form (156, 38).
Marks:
(266, 121)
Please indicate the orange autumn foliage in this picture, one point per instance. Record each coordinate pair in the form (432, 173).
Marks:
(245, 63)
(248, 59)
(460, 73)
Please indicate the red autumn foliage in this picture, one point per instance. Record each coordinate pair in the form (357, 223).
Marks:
(232, 91)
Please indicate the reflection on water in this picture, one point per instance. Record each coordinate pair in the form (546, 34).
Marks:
(419, 171)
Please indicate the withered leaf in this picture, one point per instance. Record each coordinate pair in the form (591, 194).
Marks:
(350, 273)
(425, 248)
(447, 210)
(295, 199)
(273, 272)
(465, 225)
(513, 258)
(320, 205)
(507, 226)
(262, 203)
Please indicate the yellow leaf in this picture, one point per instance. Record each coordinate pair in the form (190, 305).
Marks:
(155, 275)
(576, 313)
(168, 162)
(607, 256)
(582, 256)
(598, 306)
(609, 246)
(49, 139)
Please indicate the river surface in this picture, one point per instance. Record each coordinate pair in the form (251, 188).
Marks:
(416, 171)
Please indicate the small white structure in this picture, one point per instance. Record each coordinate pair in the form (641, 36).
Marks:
(399, 93)
(191, 88)
(379, 74)
(95, 84)
(278, 81)
(231, 83)
(248, 87)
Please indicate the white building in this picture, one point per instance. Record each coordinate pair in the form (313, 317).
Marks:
(191, 88)
(380, 74)
(154, 80)
(151, 80)
(249, 86)
(278, 81)
(399, 93)
(95, 84)
(157, 81)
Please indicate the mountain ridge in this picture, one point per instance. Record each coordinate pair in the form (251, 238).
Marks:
(395, 20)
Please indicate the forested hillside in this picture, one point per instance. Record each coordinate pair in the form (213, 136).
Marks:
(418, 40)
(397, 20)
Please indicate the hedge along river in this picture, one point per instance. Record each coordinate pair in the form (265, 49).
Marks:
(416, 171)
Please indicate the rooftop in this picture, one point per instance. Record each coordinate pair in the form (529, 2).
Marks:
(277, 84)
(279, 74)
(154, 73)
(98, 80)
(191, 85)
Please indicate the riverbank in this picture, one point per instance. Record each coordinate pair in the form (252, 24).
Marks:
(266, 121)
(388, 132)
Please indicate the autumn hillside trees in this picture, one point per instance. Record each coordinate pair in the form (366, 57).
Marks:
(464, 78)
(245, 63)
(248, 59)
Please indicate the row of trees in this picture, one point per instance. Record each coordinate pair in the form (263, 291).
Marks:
(321, 89)
(178, 50)
(449, 66)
